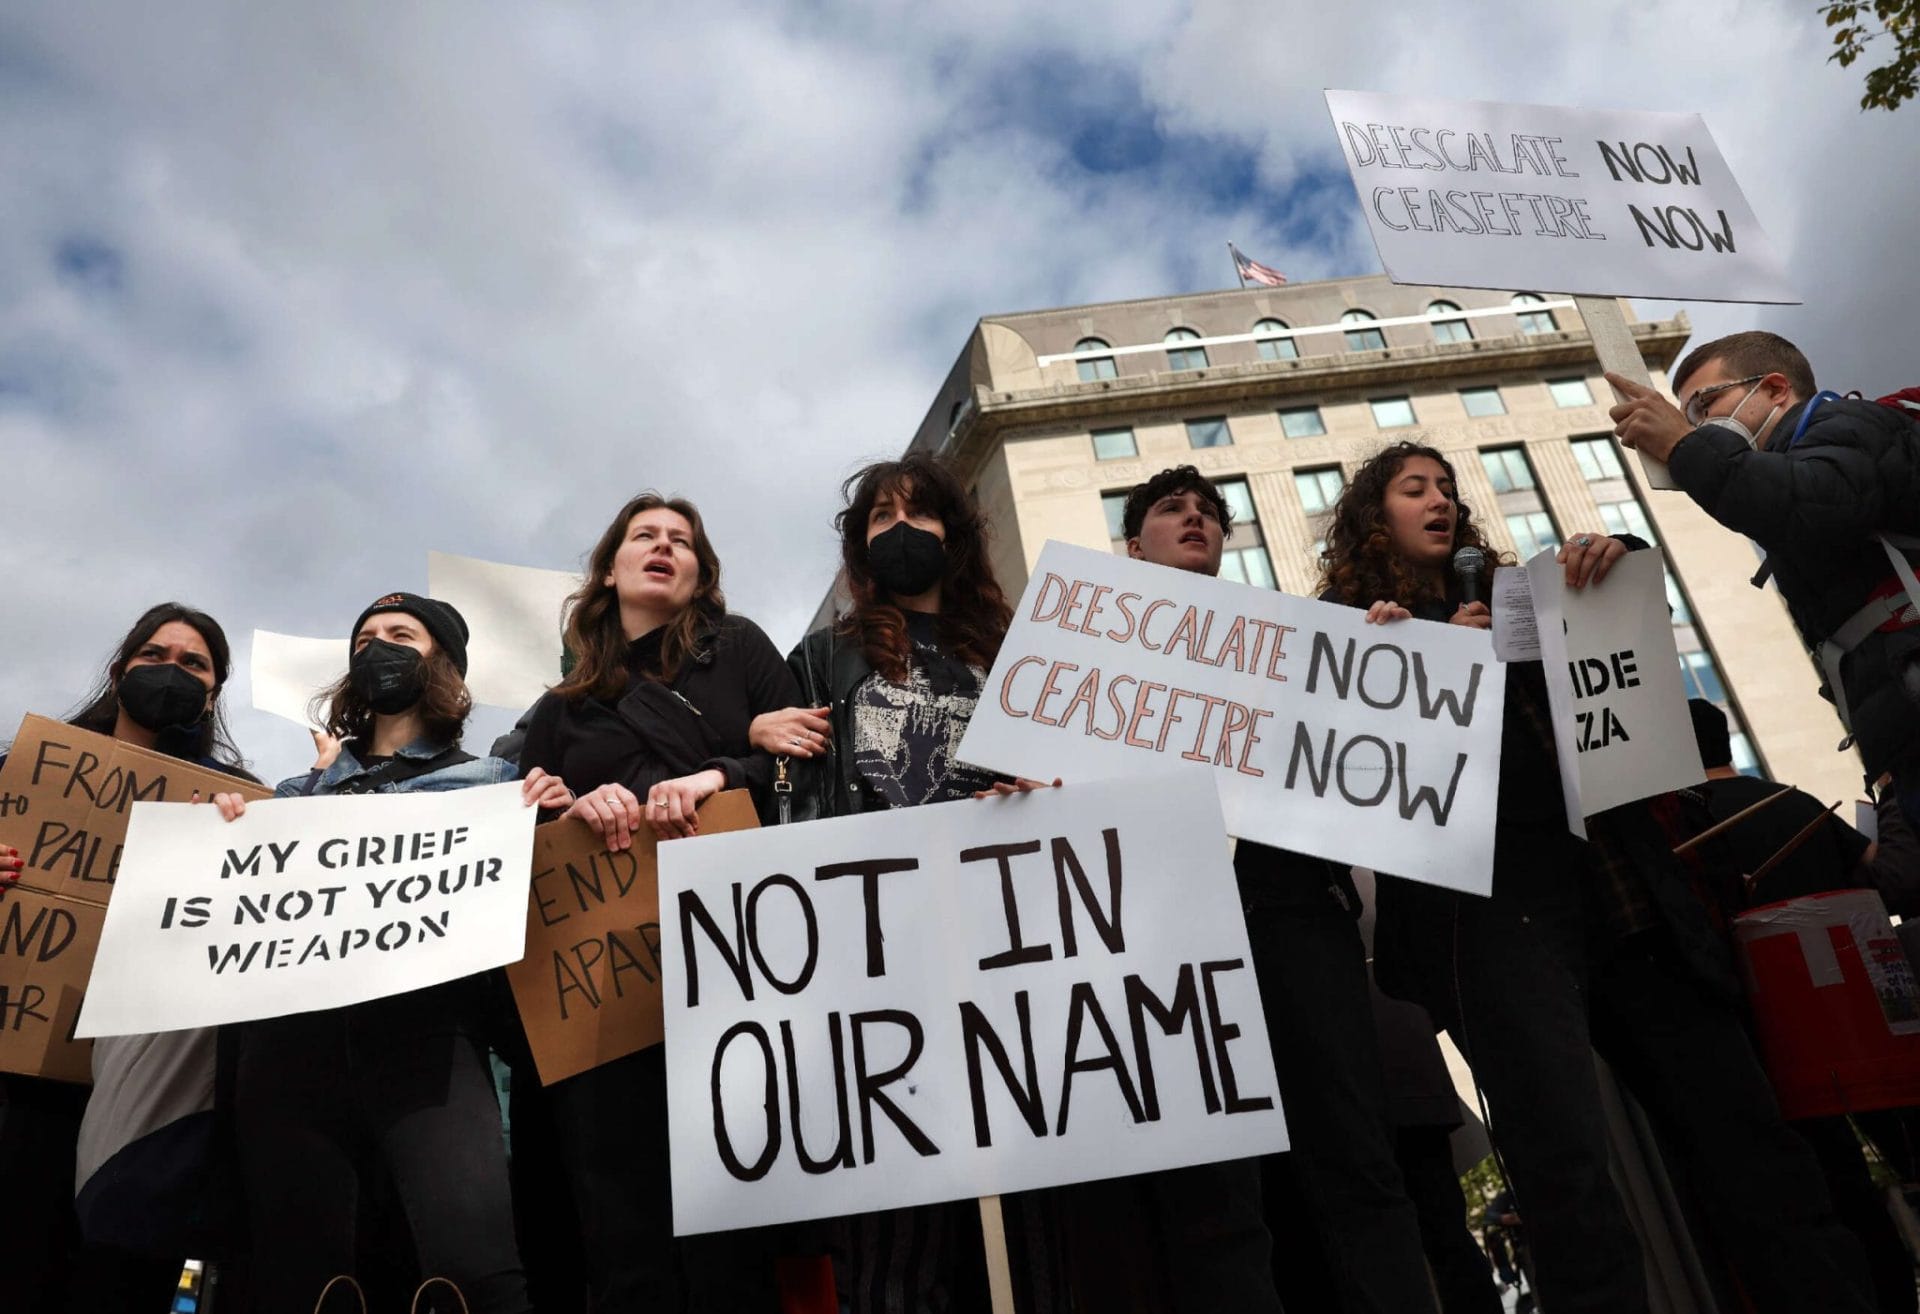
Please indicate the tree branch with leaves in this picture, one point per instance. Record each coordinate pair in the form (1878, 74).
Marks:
(1857, 25)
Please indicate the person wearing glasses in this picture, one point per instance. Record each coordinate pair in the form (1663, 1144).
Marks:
(1830, 488)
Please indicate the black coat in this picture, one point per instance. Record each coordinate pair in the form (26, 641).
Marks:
(658, 731)
(828, 667)
(1814, 507)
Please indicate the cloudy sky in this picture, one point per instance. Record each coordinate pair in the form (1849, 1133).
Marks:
(291, 294)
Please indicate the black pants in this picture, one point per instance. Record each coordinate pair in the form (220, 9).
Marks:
(322, 1102)
(1460, 1270)
(1518, 994)
(39, 1127)
(1313, 988)
(611, 1123)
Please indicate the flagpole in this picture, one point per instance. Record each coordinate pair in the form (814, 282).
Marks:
(1231, 255)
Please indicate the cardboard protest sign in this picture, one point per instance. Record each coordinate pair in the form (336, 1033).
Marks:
(1618, 203)
(588, 989)
(515, 615)
(65, 797)
(958, 1000)
(308, 903)
(1372, 745)
(1620, 722)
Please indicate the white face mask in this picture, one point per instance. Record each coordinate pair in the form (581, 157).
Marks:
(1747, 435)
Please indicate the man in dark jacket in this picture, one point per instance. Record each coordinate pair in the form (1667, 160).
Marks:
(1830, 488)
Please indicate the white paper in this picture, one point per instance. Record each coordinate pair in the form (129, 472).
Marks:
(307, 903)
(1516, 636)
(514, 615)
(816, 955)
(286, 671)
(1623, 733)
(1525, 196)
(1397, 770)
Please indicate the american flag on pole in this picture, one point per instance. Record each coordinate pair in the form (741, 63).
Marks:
(1254, 271)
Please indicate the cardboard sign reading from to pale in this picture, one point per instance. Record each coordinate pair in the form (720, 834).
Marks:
(308, 903)
(959, 1000)
(1620, 721)
(65, 796)
(588, 989)
(1619, 203)
(1375, 745)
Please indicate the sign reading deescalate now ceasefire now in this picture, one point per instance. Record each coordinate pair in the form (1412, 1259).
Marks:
(1366, 744)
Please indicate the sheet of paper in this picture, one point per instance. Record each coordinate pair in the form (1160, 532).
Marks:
(1516, 638)
(514, 615)
(286, 671)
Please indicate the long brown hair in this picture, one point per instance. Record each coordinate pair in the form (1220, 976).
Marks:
(974, 614)
(101, 708)
(1359, 564)
(594, 638)
(443, 707)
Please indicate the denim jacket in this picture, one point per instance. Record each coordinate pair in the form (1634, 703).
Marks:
(479, 771)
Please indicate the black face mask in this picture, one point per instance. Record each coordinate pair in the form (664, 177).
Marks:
(390, 677)
(907, 560)
(162, 697)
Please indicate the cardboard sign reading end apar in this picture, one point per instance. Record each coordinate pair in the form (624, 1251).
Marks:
(65, 798)
(588, 990)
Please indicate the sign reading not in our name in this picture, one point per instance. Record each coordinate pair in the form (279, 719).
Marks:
(1366, 744)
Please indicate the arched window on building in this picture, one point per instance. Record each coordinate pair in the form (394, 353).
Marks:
(1093, 368)
(1267, 337)
(1363, 339)
(1446, 327)
(1182, 357)
(1533, 321)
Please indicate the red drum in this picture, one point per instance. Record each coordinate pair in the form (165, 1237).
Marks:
(1835, 1002)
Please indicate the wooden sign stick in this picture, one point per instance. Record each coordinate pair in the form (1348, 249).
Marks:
(1613, 343)
(1786, 850)
(993, 1230)
(1720, 827)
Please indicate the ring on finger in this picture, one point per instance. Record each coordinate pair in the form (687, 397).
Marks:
(1583, 542)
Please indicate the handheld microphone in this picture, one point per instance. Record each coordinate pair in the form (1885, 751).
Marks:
(1469, 567)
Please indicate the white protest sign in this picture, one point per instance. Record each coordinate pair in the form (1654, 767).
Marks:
(286, 671)
(514, 616)
(1620, 722)
(1619, 203)
(958, 1000)
(1516, 635)
(307, 903)
(1372, 745)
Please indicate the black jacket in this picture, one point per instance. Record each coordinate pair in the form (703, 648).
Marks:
(828, 667)
(1814, 507)
(658, 731)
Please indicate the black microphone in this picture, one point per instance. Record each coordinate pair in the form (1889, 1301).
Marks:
(1469, 567)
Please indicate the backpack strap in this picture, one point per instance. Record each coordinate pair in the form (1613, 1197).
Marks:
(397, 770)
(1854, 631)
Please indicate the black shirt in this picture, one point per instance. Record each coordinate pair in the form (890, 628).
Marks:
(1827, 861)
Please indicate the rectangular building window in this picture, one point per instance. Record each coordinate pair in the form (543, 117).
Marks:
(1569, 392)
(1597, 459)
(1626, 518)
(1115, 505)
(1482, 402)
(1508, 469)
(1210, 432)
(1702, 677)
(1245, 560)
(1451, 330)
(1532, 531)
(1392, 412)
(1112, 444)
(1319, 489)
(1278, 349)
(1302, 422)
(1094, 368)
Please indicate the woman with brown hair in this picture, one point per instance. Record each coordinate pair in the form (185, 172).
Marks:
(330, 1105)
(652, 720)
(890, 687)
(1584, 945)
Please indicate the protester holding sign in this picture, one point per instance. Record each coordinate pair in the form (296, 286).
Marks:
(1830, 487)
(898, 678)
(651, 721)
(1582, 946)
(150, 1150)
(1312, 970)
(329, 1102)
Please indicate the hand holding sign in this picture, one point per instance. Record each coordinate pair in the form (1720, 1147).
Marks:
(11, 865)
(1588, 558)
(1646, 421)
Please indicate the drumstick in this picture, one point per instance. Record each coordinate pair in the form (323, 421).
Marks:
(1735, 819)
(1806, 833)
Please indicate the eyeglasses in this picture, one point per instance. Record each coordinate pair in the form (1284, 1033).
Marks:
(1696, 409)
